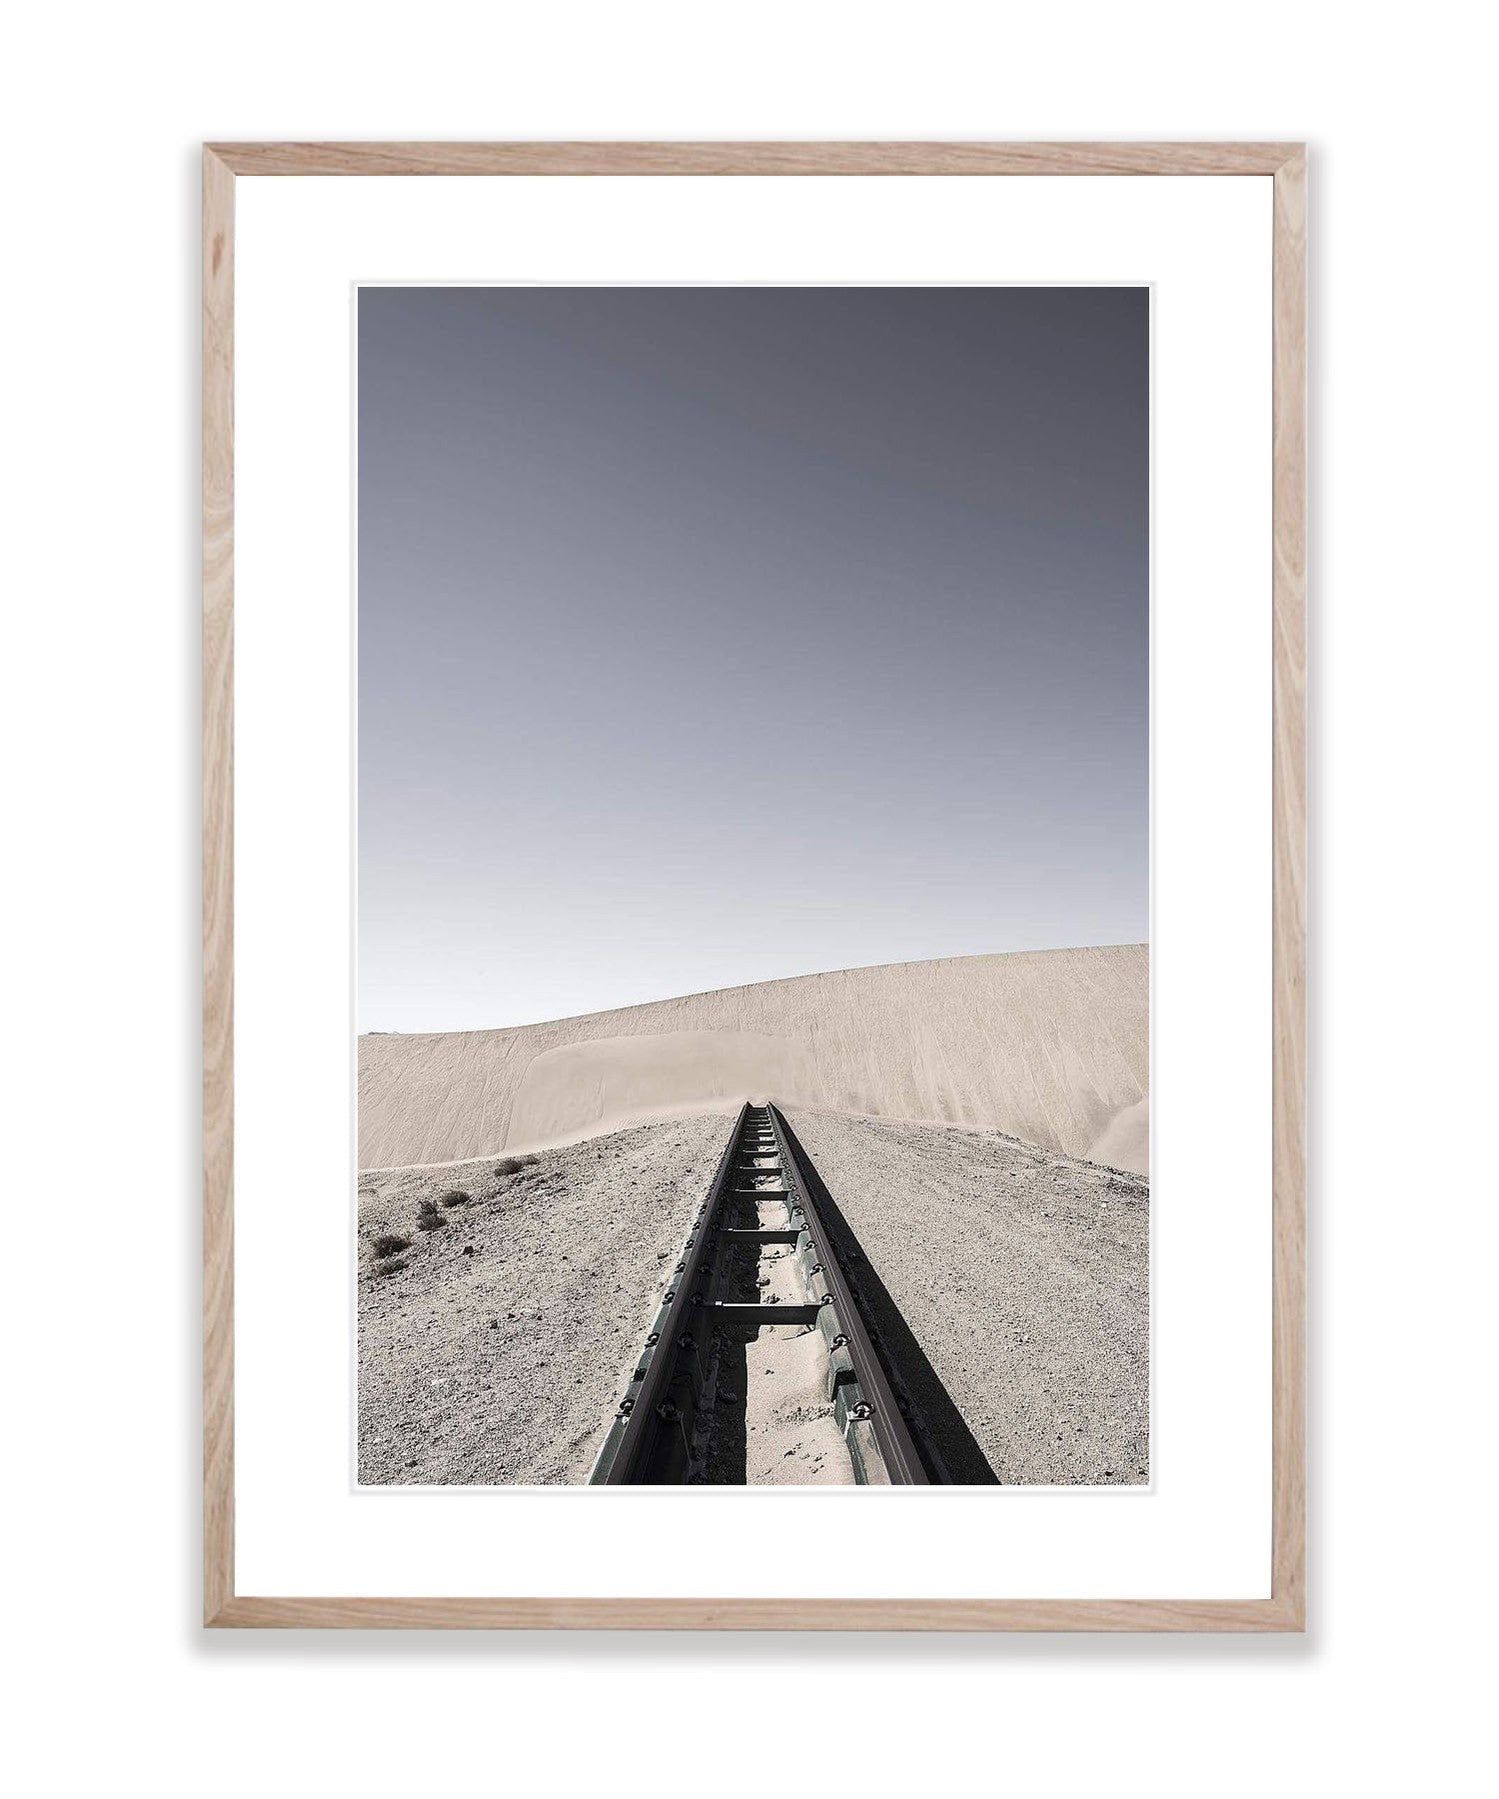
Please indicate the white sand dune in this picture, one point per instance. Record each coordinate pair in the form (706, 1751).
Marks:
(1051, 1046)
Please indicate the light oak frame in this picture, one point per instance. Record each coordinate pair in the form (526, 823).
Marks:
(1285, 163)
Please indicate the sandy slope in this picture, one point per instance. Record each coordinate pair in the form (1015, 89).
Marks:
(1051, 1046)
(492, 1349)
(1023, 1277)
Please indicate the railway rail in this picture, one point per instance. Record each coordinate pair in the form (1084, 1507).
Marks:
(761, 1269)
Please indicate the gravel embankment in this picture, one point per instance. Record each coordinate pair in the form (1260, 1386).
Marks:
(1023, 1277)
(492, 1348)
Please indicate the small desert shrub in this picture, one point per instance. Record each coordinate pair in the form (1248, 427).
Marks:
(389, 1245)
(513, 1164)
(389, 1267)
(428, 1218)
(455, 1199)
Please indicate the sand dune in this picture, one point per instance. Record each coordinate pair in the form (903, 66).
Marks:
(1050, 1046)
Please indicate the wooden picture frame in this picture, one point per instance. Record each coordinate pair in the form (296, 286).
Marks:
(1285, 163)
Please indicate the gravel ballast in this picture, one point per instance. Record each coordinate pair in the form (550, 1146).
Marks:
(1024, 1278)
(492, 1347)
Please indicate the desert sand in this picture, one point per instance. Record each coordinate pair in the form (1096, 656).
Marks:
(981, 1126)
(1015, 1283)
(492, 1347)
(1049, 1046)
(1012, 1281)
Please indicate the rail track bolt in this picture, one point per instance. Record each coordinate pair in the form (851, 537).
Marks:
(862, 1410)
(817, 1268)
(840, 1341)
(826, 1300)
(653, 1339)
(669, 1297)
(626, 1406)
(681, 1268)
(667, 1410)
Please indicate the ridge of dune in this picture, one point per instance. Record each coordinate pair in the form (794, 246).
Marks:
(1049, 1045)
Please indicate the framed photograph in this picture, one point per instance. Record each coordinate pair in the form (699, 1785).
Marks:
(754, 886)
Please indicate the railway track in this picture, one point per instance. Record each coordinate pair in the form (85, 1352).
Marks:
(760, 1322)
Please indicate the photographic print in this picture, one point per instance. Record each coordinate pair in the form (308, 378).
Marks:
(753, 886)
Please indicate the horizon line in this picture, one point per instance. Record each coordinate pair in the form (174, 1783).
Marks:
(816, 974)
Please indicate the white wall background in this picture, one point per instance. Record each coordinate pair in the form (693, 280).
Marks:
(104, 109)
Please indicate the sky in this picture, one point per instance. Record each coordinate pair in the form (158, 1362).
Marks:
(716, 635)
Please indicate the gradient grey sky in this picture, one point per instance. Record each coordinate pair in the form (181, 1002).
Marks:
(712, 635)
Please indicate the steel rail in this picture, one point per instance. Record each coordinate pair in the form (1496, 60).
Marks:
(639, 1423)
(897, 1445)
